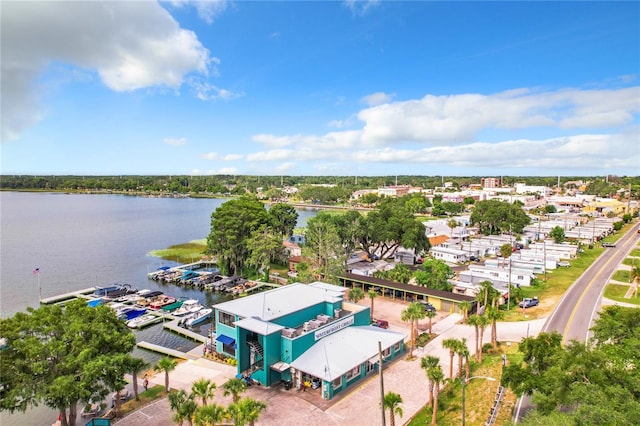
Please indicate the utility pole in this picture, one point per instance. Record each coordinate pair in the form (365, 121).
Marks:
(381, 384)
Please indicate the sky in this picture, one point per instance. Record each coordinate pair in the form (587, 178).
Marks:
(347, 88)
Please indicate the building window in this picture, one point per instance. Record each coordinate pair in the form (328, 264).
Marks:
(337, 383)
(386, 352)
(396, 347)
(226, 319)
(353, 373)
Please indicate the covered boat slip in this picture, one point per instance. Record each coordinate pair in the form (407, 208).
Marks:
(441, 300)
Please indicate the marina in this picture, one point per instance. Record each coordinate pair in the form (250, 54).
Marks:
(175, 327)
(67, 296)
(166, 351)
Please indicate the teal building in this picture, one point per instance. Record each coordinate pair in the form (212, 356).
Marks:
(303, 333)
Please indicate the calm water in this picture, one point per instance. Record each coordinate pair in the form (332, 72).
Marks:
(79, 241)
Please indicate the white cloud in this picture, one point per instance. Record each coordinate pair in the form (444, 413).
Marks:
(210, 156)
(360, 7)
(377, 98)
(208, 92)
(175, 141)
(131, 45)
(285, 167)
(232, 157)
(208, 10)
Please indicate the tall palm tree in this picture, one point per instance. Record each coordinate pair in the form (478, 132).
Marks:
(136, 365)
(494, 315)
(452, 223)
(463, 355)
(166, 364)
(246, 411)
(436, 376)
(475, 321)
(482, 325)
(234, 387)
(465, 306)
(392, 403)
(209, 415)
(414, 312)
(450, 344)
(427, 363)
(430, 315)
(635, 277)
(355, 294)
(487, 295)
(372, 295)
(203, 388)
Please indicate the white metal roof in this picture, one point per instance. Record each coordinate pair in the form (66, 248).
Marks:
(258, 326)
(282, 301)
(340, 352)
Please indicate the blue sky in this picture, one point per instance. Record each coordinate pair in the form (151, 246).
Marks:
(320, 88)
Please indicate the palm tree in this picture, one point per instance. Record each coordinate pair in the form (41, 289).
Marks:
(635, 277)
(372, 295)
(436, 376)
(234, 387)
(450, 344)
(136, 365)
(480, 322)
(475, 320)
(414, 312)
(183, 405)
(463, 354)
(452, 224)
(464, 307)
(392, 403)
(209, 415)
(355, 294)
(494, 315)
(245, 411)
(488, 294)
(430, 315)
(427, 363)
(203, 388)
(166, 364)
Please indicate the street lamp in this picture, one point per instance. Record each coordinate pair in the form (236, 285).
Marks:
(464, 382)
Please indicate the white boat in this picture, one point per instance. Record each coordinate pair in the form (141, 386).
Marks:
(199, 317)
(143, 321)
(188, 307)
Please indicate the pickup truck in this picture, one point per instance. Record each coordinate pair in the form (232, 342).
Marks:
(529, 302)
(610, 245)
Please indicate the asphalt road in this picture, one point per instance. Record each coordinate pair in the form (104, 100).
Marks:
(574, 315)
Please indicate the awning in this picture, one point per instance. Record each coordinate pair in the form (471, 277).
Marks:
(225, 340)
(280, 366)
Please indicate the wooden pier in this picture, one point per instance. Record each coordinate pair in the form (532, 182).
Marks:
(173, 326)
(166, 351)
(66, 296)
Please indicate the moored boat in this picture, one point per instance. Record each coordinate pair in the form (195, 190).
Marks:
(173, 306)
(131, 312)
(161, 302)
(188, 307)
(143, 321)
(199, 317)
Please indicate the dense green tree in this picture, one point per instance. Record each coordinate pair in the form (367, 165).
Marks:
(264, 246)
(284, 218)
(550, 208)
(400, 273)
(435, 274)
(495, 216)
(232, 225)
(369, 199)
(347, 226)
(62, 356)
(323, 249)
(557, 233)
(391, 402)
(183, 406)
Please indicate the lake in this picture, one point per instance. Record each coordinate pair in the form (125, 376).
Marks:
(81, 240)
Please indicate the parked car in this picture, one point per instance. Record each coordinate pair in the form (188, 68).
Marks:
(564, 264)
(380, 323)
(529, 302)
(428, 307)
(474, 258)
(608, 245)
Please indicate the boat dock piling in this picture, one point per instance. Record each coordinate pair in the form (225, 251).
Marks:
(173, 326)
(167, 351)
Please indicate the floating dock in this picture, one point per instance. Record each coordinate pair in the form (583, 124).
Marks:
(161, 349)
(67, 296)
(173, 326)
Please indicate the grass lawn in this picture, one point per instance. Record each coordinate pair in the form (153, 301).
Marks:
(479, 394)
(622, 276)
(635, 253)
(631, 261)
(617, 291)
(183, 253)
(153, 393)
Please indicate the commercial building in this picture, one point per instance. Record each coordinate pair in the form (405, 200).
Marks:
(303, 333)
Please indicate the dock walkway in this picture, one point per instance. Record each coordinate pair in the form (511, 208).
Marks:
(167, 351)
(66, 296)
(173, 326)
